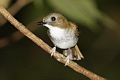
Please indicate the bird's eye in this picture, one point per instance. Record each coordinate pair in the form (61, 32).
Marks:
(53, 18)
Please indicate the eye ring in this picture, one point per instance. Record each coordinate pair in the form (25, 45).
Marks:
(53, 18)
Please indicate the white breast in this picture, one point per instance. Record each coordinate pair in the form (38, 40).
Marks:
(56, 31)
(62, 38)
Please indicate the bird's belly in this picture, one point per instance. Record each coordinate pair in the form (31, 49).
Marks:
(62, 38)
(65, 43)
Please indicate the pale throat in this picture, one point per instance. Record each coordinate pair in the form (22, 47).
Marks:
(56, 31)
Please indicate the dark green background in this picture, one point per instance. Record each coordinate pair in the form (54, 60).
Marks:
(99, 41)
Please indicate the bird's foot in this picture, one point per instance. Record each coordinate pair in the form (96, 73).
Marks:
(69, 52)
(67, 60)
(53, 51)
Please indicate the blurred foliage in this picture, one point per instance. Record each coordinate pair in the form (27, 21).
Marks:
(83, 11)
(99, 41)
(4, 3)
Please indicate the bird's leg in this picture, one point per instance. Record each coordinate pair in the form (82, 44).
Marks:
(68, 57)
(53, 51)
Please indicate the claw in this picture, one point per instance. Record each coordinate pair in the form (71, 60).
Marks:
(53, 51)
(67, 60)
(68, 57)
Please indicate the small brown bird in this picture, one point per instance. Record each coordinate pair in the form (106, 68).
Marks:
(64, 35)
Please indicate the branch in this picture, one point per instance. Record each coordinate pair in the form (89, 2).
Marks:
(17, 35)
(59, 57)
(17, 6)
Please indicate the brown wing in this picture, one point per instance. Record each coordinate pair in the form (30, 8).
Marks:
(75, 28)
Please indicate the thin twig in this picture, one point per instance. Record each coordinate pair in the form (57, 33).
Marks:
(17, 35)
(17, 6)
(59, 57)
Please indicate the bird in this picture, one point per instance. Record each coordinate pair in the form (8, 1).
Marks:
(64, 34)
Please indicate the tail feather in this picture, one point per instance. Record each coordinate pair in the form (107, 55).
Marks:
(79, 52)
(75, 53)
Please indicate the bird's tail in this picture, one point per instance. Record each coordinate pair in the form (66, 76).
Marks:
(74, 53)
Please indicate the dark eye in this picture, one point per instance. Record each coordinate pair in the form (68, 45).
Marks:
(53, 18)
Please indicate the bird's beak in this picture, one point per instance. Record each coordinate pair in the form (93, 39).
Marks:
(41, 23)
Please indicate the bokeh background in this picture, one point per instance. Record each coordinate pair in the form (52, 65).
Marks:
(99, 23)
